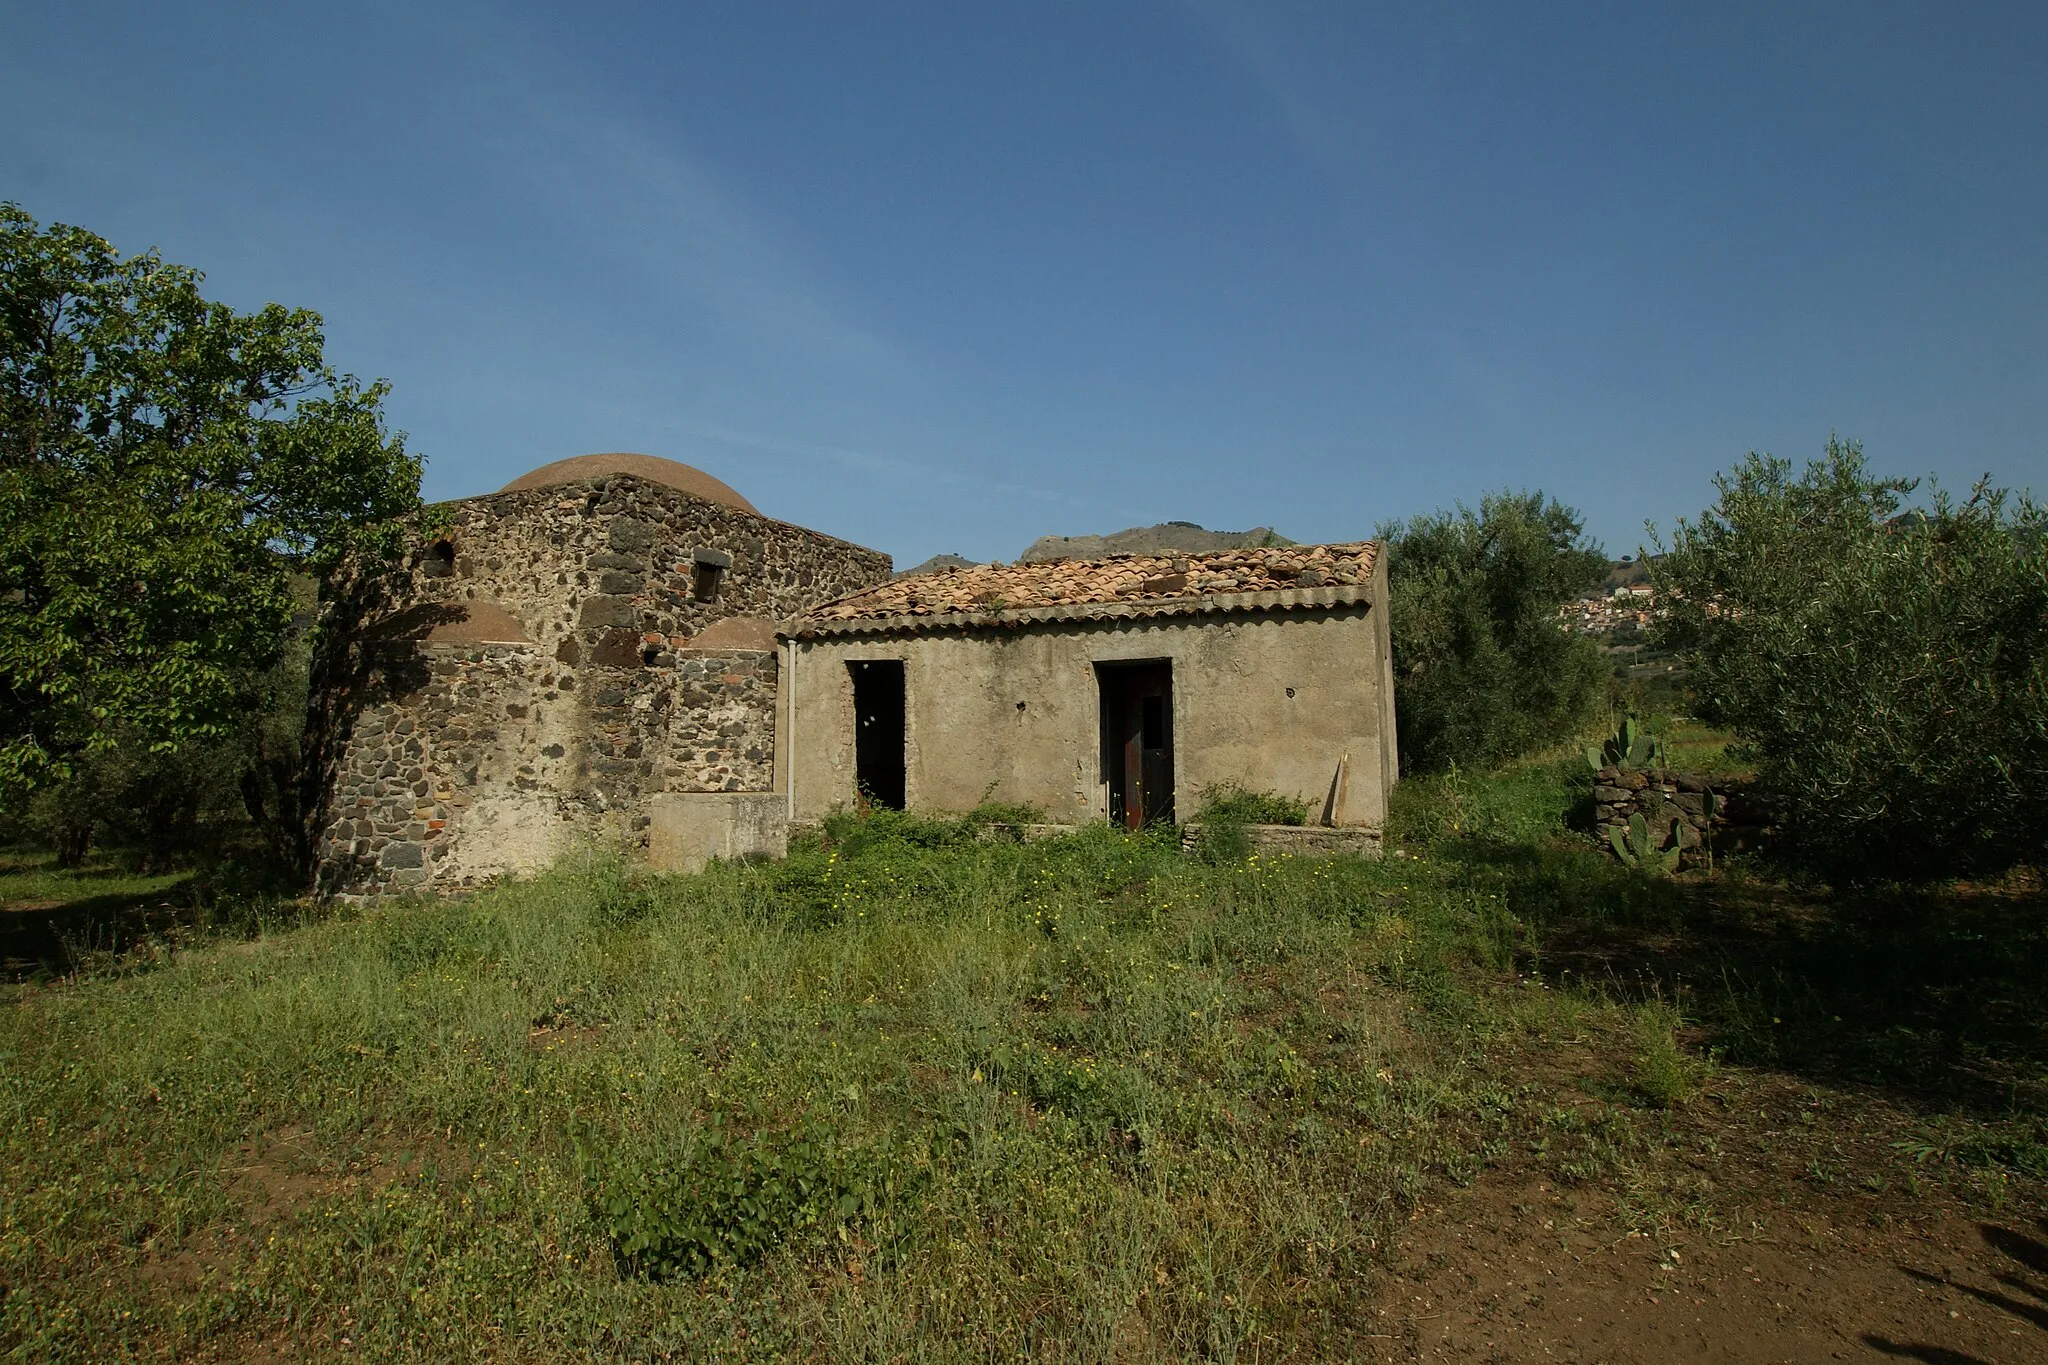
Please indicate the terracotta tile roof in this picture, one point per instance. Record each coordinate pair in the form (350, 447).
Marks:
(1135, 582)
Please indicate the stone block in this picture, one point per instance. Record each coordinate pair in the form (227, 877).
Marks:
(686, 830)
(402, 855)
(616, 649)
(630, 535)
(600, 611)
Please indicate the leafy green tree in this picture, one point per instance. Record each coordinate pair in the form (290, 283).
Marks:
(1887, 669)
(1482, 670)
(167, 466)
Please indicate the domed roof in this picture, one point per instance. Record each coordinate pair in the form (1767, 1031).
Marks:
(670, 473)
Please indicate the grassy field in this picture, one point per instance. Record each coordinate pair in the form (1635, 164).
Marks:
(919, 1093)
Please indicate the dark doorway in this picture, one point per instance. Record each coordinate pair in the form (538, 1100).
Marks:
(1137, 740)
(878, 727)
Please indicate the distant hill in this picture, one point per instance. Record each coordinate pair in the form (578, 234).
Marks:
(1625, 573)
(936, 564)
(1184, 536)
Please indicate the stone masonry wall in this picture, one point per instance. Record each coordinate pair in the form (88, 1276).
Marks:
(470, 760)
(478, 761)
(1741, 819)
(600, 570)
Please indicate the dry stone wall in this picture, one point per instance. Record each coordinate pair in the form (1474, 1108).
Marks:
(1707, 812)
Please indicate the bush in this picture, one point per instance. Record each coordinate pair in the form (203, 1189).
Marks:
(162, 810)
(1887, 672)
(1664, 1075)
(1228, 801)
(1482, 672)
(1229, 808)
(854, 830)
(193, 803)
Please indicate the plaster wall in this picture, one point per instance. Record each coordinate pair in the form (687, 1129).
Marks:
(1273, 700)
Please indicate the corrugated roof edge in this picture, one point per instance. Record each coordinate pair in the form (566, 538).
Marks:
(1287, 599)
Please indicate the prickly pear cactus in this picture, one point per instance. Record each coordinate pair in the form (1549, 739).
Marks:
(1630, 748)
(1636, 848)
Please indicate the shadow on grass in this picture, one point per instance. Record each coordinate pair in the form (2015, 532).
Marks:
(53, 939)
(54, 922)
(1936, 995)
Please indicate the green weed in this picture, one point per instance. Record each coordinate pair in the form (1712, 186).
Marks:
(1663, 1074)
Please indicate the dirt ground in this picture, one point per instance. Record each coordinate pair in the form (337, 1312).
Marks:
(1773, 1260)
(1533, 1274)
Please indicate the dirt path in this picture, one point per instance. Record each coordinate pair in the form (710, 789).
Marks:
(1772, 1221)
(1514, 1273)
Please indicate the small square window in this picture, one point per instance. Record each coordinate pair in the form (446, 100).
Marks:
(707, 572)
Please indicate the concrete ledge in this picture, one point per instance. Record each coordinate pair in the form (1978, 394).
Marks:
(1304, 841)
(686, 830)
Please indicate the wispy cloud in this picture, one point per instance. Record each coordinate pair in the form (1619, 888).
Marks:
(638, 195)
(1251, 38)
(1358, 89)
(893, 467)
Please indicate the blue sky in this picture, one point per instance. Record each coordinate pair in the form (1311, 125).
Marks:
(949, 276)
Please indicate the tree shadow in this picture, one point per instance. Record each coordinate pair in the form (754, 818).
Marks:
(1932, 1355)
(2028, 1252)
(87, 918)
(1932, 994)
(52, 940)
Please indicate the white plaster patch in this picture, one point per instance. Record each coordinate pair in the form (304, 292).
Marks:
(509, 832)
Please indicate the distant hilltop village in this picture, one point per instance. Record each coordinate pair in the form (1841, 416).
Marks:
(1623, 608)
(1623, 604)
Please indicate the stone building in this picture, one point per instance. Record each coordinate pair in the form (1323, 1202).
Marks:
(594, 639)
(1121, 688)
(620, 649)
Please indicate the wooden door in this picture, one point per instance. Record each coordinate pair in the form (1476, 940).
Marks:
(1137, 741)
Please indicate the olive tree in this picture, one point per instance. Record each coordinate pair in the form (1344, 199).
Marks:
(1887, 668)
(1483, 671)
